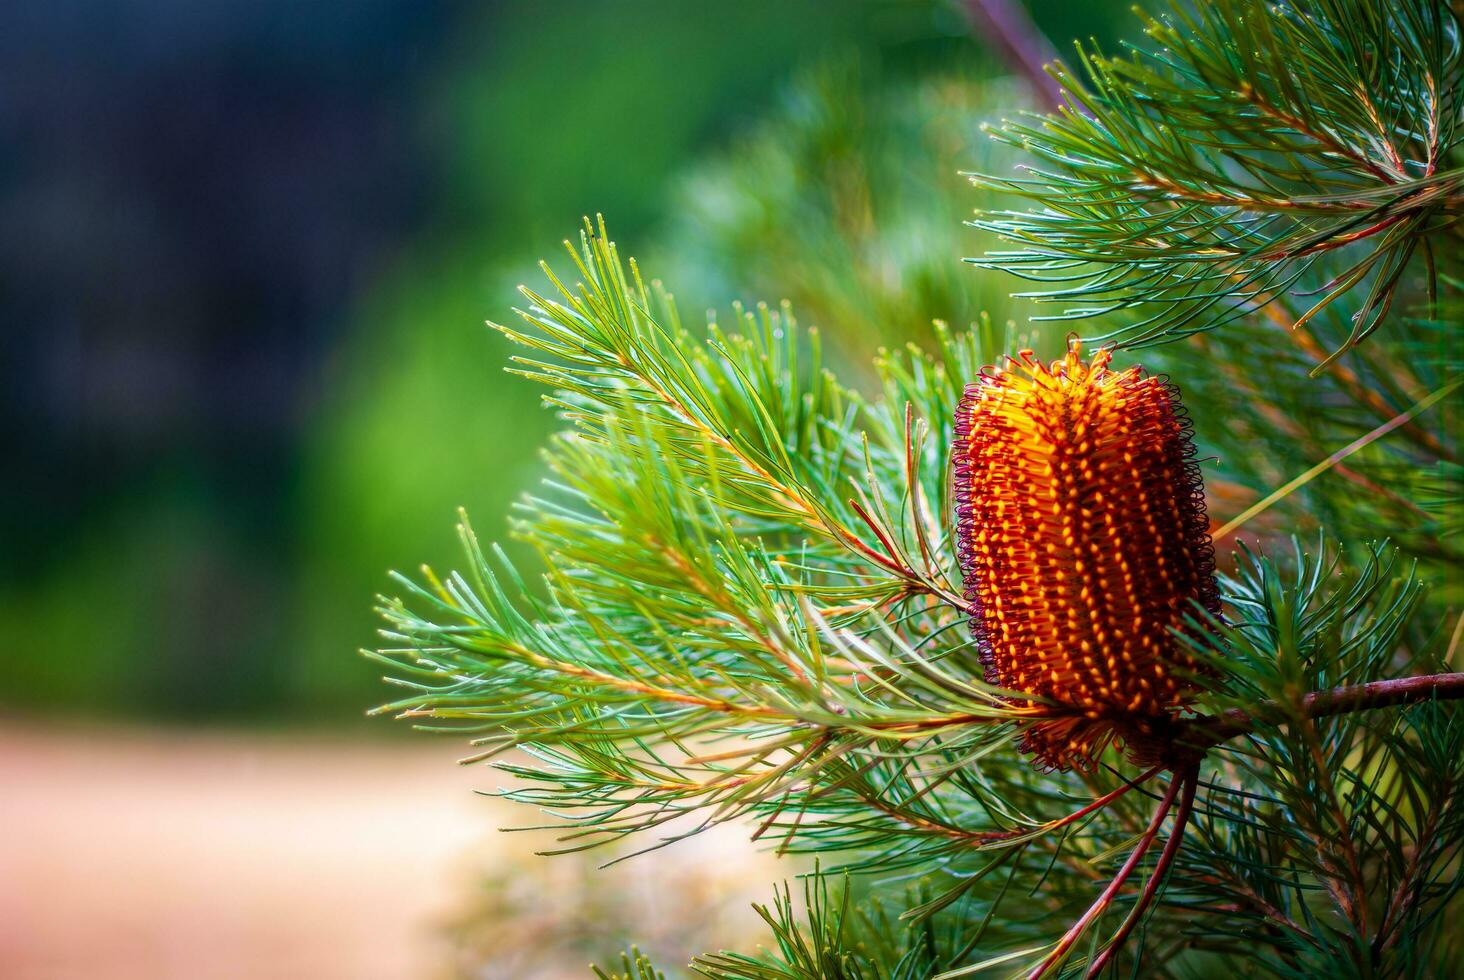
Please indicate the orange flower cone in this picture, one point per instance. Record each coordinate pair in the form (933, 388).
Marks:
(1084, 543)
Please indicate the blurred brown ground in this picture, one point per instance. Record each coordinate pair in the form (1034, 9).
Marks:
(161, 854)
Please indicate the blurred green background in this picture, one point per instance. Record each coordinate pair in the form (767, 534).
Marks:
(247, 252)
(249, 249)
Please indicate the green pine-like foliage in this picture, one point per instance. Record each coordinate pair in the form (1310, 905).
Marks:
(751, 608)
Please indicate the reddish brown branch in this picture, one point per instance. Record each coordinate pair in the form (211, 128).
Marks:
(1323, 138)
(1076, 930)
(1006, 27)
(1321, 704)
(1161, 867)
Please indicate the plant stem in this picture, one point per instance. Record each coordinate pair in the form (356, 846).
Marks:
(1166, 858)
(1213, 730)
(1008, 29)
(1338, 457)
(1076, 930)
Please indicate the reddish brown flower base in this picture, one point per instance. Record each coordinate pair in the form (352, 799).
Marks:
(1083, 540)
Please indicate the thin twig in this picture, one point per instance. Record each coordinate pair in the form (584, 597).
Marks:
(1161, 867)
(1076, 930)
(1006, 26)
(1338, 457)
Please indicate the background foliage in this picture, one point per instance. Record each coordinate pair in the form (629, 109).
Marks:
(238, 395)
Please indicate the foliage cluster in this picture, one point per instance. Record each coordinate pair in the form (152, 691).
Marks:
(753, 610)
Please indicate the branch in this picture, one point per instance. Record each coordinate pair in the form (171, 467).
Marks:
(1212, 730)
(1007, 28)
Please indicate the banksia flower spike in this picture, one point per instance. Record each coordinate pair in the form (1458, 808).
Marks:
(1084, 542)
